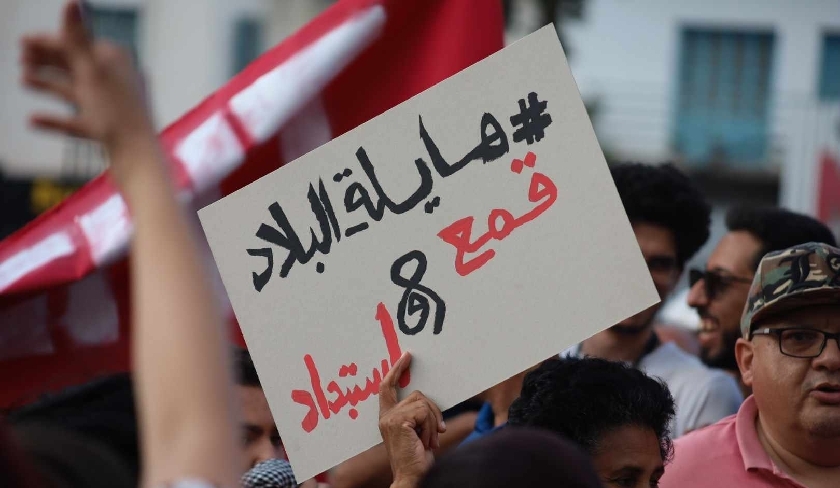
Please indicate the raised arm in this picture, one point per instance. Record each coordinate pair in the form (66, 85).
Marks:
(178, 347)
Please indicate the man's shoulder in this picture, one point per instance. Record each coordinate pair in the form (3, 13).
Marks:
(673, 355)
(672, 364)
(678, 364)
(712, 379)
(723, 432)
(705, 453)
(691, 381)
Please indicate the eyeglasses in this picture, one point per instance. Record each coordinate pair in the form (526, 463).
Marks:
(798, 342)
(714, 281)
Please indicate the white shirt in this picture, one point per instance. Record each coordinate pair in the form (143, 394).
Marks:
(702, 395)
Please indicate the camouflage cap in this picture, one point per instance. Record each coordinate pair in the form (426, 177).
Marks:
(808, 274)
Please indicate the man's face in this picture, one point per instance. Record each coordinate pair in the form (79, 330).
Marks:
(720, 315)
(660, 251)
(795, 394)
(260, 438)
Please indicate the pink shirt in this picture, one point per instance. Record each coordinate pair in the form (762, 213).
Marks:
(726, 454)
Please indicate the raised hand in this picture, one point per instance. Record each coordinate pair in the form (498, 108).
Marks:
(96, 77)
(409, 428)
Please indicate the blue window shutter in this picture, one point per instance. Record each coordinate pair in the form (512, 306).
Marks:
(724, 96)
(116, 24)
(247, 43)
(829, 88)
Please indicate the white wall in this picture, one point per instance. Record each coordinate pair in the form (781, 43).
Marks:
(21, 149)
(625, 53)
(816, 132)
(185, 49)
(184, 53)
(287, 16)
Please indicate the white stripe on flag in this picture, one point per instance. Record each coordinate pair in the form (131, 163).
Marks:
(305, 131)
(210, 152)
(266, 105)
(107, 229)
(29, 259)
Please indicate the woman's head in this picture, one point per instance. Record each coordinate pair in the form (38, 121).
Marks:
(83, 436)
(617, 414)
(66, 459)
(514, 457)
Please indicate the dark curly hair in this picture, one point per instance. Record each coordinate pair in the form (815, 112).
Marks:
(663, 195)
(777, 228)
(244, 369)
(584, 398)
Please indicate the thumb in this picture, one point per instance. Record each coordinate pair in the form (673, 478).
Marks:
(388, 387)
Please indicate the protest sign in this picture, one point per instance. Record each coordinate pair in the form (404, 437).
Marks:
(475, 225)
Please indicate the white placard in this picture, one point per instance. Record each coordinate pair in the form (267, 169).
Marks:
(475, 225)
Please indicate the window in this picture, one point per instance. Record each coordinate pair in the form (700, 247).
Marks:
(829, 82)
(247, 43)
(117, 24)
(724, 96)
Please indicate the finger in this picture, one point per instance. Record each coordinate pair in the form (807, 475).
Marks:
(53, 85)
(432, 423)
(433, 417)
(435, 420)
(70, 126)
(417, 395)
(44, 50)
(73, 29)
(441, 425)
(388, 386)
(424, 422)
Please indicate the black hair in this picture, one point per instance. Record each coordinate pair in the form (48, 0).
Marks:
(585, 398)
(17, 470)
(67, 459)
(84, 435)
(663, 195)
(514, 457)
(777, 228)
(245, 371)
(101, 410)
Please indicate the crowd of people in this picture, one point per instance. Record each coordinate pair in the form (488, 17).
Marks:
(753, 399)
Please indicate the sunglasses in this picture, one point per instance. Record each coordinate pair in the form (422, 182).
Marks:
(714, 282)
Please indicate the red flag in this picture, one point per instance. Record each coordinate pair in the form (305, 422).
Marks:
(63, 278)
(828, 193)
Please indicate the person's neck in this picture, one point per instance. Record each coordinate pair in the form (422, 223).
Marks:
(814, 462)
(617, 347)
(502, 396)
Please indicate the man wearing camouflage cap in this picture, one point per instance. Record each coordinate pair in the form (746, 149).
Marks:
(787, 434)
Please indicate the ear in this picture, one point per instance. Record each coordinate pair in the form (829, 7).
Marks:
(744, 354)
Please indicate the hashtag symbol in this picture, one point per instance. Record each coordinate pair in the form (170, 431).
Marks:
(531, 121)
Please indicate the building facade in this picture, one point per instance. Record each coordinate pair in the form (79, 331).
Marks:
(714, 82)
(745, 95)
